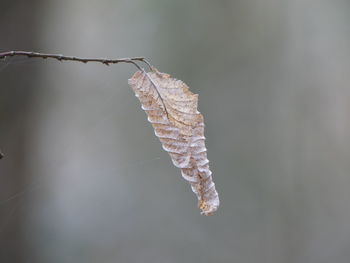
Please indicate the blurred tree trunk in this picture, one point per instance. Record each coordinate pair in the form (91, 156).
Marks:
(18, 30)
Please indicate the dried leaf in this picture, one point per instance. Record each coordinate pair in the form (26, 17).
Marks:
(172, 110)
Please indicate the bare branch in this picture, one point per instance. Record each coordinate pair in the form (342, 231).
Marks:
(60, 57)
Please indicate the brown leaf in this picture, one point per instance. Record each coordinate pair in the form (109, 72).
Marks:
(172, 110)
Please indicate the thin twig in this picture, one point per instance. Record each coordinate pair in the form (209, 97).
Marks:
(104, 61)
(60, 57)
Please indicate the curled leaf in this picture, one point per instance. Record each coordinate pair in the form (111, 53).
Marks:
(172, 110)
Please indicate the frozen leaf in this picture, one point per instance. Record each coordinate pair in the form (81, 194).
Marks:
(172, 110)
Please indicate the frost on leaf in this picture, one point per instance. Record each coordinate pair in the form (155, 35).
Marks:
(172, 110)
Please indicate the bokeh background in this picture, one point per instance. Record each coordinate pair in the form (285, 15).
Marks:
(84, 178)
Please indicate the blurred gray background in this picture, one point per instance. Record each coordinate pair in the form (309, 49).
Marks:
(84, 178)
